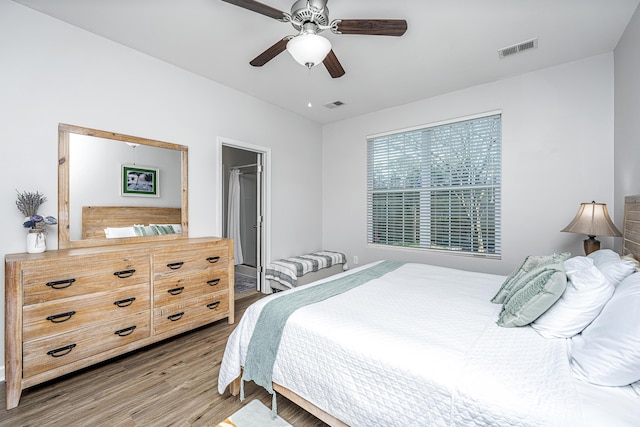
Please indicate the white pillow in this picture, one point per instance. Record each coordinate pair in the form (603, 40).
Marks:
(633, 260)
(612, 266)
(607, 352)
(118, 232)
(586, 293)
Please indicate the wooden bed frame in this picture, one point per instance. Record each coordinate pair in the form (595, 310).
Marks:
(234, 389)
(96, 218)
(631, 246)
(631, 230)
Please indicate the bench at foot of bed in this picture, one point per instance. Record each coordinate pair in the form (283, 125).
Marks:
(301, 270)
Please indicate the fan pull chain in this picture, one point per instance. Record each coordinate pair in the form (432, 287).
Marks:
(309, 105)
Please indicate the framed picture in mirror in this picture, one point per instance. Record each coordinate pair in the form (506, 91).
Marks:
(140, 181)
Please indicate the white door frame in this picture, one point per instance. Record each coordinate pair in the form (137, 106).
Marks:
(265, 250)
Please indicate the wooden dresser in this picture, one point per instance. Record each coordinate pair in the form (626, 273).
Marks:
(71, 308)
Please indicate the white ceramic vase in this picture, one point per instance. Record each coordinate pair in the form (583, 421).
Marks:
(36, 241)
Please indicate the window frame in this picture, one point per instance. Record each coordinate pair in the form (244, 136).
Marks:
(495, 207)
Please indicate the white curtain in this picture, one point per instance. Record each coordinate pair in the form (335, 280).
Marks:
(233, 215)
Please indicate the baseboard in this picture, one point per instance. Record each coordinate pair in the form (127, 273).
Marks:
(247, 270)
(2, 373)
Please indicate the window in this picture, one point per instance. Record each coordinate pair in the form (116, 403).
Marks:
(437, 187)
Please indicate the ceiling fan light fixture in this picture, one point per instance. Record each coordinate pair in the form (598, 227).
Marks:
(308, 49)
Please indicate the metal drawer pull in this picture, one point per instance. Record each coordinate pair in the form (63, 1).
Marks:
(176, 291)
(175, 265)
(124, 302)
(62, 317)
(213, 282)
(62, 351)
(176, 316)
(124, 273)
(126, 331)
(58, 284)
(213, 305)
(213, 259)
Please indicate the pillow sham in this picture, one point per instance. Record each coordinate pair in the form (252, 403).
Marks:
(162, 228)
(607, 352)
(144, 230)
(530, 263)
(612, 266)
(509, 282)
(586, 293)
(633, 260)
(118, 232)
(169, 228)
(533, 293)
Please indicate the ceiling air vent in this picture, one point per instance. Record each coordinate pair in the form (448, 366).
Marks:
(334, 104)
(517, 48)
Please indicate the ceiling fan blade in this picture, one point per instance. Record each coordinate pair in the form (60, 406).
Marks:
(333, 65)
(270, 53)
(260, 8)
(375, 27)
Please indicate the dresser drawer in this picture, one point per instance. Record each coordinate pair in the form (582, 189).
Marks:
(64, 315)
(49, 353)
(62, 278)
(175, 289)
(191, 313)
(194, 260)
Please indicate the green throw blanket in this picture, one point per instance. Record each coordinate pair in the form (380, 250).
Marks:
(265, 340)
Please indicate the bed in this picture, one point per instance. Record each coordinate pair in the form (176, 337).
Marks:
(97, 221)
(419, 345)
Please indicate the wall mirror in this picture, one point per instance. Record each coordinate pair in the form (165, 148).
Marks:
(117, 189)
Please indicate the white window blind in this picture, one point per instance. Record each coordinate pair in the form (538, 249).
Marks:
(437, 187)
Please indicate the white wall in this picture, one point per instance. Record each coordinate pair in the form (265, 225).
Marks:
(627, 115)
(52, 72)
(557, 152)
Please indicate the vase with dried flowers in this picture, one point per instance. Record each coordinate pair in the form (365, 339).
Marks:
(28, 204)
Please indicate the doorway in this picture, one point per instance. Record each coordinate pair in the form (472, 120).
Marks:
(243, 206)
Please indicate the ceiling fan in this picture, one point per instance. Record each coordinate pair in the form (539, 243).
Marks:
(310, 17)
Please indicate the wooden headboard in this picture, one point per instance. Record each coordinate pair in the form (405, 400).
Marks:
(96, 218)
(631, 231)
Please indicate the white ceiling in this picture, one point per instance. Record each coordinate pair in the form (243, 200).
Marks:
(449, 44)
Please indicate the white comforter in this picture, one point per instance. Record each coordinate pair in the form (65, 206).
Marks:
(420, 347)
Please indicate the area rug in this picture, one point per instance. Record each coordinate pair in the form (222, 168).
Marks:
(244, 283)
(253, 414)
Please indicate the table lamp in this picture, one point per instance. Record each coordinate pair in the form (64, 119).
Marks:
(593, 220)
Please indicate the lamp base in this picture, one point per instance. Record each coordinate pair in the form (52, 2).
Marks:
(591, 245)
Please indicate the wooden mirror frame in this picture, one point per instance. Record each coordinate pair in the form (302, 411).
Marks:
(64, 235)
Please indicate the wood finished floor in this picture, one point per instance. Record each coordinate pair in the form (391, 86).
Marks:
(172, 383)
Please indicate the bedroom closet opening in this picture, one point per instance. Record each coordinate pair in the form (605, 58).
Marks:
(242, 214)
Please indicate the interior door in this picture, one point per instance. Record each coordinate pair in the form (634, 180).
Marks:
(259, 222)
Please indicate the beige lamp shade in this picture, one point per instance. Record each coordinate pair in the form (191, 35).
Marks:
(593, 220)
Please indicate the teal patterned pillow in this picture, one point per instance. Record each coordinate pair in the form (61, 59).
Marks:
(504, 290)
(534, 293)
(162, 229)
(530, 263)
(142, 230)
